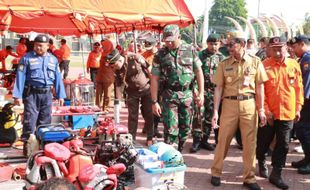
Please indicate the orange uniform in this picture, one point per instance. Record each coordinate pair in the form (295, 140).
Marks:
(149, 56)
(52, 48)
(65, 52)
(284, 89)
(21, 49)
(3, 55)
(93, 60)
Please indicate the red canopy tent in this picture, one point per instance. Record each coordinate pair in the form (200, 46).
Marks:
(75, 17)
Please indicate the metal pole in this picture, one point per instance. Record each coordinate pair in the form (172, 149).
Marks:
(205, 25)
(83, 63)
(134, 39)
(195, 36)
(258, 7)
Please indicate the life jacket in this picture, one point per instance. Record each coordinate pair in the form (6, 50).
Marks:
(8, 119)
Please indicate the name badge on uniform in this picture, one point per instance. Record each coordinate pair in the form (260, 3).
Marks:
(33, 61)
(247, 80)
(229, 79)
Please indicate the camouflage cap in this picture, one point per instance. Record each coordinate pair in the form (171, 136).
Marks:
(113, 57)
(213, 38)
(149, 43)
(171, 32)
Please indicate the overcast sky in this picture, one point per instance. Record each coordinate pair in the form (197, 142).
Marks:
(293, 11)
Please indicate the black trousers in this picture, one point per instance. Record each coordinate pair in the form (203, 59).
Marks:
(93, 74)
(302, 128)
(265, 135)
(64, 66)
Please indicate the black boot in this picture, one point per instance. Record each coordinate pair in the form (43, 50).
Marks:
(263, 169)
(300, 163)
(276, 179)
(304, 169)
(25, 149)
(196, 144)
(181, 145)
(205, 138)
(205, 145)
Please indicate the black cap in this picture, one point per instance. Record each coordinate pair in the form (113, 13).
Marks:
(113, 56)
(300, 38)
(213, 38)
(96, 44)
(42, 38)
(277, 41)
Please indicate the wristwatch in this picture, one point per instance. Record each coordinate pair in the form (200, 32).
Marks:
(154, 101)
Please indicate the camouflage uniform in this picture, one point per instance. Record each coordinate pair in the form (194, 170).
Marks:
(210, 62)
(176, 72)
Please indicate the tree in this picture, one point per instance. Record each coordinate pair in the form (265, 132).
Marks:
(221, 8)
(306, 25)
(187, 34)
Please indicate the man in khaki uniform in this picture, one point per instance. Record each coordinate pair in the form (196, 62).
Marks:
(239, 82)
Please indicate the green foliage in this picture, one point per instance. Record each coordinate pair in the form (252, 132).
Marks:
(306, 24)
(222, 8)
(187, 34)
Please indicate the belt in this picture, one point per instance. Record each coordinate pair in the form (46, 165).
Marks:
(40, 90)
(240, 97)
(179, 88)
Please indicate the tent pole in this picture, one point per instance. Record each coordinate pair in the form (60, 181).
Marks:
(90, 42)
(195, 36)
(134, 39)
(81, 44)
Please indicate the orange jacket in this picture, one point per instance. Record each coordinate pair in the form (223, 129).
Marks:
(65, 52)
(93, 60)
(284, 89)
(3, 55)
(21, 49)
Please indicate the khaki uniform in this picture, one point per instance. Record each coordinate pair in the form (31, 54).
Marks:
(238, 78)
(104, 85)
(134, 75)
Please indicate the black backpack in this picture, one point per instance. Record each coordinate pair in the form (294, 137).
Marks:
(8, 119)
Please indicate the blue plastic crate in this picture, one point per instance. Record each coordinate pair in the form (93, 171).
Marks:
(82, 121)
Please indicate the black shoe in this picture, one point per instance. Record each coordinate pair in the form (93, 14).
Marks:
(25, 149)
(181, 146)
(304, 169)
(195, 148)
(300, 163)
(215, 181)
(158, 135)
(276, 179)
(252, 186)
(207, 146)
(196, 144)
(144, 131)
(262, 169)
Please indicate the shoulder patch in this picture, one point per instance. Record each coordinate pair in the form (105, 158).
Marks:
(21, 67)
(306, 66)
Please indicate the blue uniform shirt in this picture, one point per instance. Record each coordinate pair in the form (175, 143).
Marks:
(305, 69)
(38, 71)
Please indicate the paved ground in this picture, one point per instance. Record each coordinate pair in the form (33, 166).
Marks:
(197, 176)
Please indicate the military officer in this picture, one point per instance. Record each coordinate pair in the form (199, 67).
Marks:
(37, 74)
(238, 79)
(210, 58)
(175, 66)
